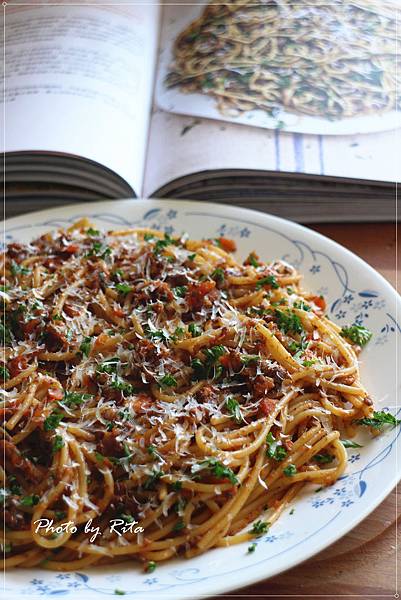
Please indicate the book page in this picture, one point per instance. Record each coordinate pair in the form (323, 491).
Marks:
(79, 81)
(219, 102)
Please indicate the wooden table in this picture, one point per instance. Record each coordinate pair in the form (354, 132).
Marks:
(362, 563)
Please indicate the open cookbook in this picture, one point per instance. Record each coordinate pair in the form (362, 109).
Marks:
(287, 108)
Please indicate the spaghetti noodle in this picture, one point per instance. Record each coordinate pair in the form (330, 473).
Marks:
(334, 61)
(158, 381)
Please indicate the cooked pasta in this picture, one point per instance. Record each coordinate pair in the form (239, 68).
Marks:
(159, 382)
(333, 60)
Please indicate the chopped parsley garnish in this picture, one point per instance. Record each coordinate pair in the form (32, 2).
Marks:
(252, 548)
(378, 420)
(123, 288)
(249, 358)
(179, 506)
(178, 333)
(52, 421)
(148, 237)
(209, 368)
(191, 257)
(158, 334)
(125, 414)
(14, 486)
(274, 449)
(309, 363)
(234, 409)
(99, 457)
(4, 288)
(176, 486)
(198, 368)
(118, 592)
(5, 334)
(357, 334)
(252, 260)
(85, 345)
(179, 525)
(122, 386)
(214, 353)
(17, 269)
(4, 373)
(92, 231)
(323, 458)
(126, 517)
(151, 566)
(72, 399)
(217, 469)
(259, 528)
(161, 244)
(108, 366)
(218, 275)
(153, 452)
(350, 444)
(290, 470)
(30, 500)
(288, 321)
(58, 443)
(269, 280)
(301, 305)
(180, 291)
(167, 381)
(194, 330)
(151, 481)
(99, 250)
(298, 348)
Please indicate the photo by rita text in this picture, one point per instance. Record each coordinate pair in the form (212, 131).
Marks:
(117, 526)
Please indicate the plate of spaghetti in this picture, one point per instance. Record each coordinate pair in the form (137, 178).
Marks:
(307, 67)
(193, 398)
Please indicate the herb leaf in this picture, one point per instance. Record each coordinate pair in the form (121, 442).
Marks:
(167, 381)
(194, 330)
(52, 421)
(58, 443)
(260, 527)
(269, 280)
(234, 409)
(217, 469)
(85, 345)
(323, 458)
(30, 500)
(17, 269)
(123, 288)
(288, 321)
(357, 334)
(72, 399)
(290, 470)
(4, 373)
(378, 420)
(218, 275)
(350, 444)
(180, 291)
(274, 449)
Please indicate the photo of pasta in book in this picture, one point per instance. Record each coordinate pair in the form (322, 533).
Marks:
(278, 59)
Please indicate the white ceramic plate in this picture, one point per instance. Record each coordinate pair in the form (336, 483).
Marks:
(355, 293)
(202, 105)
